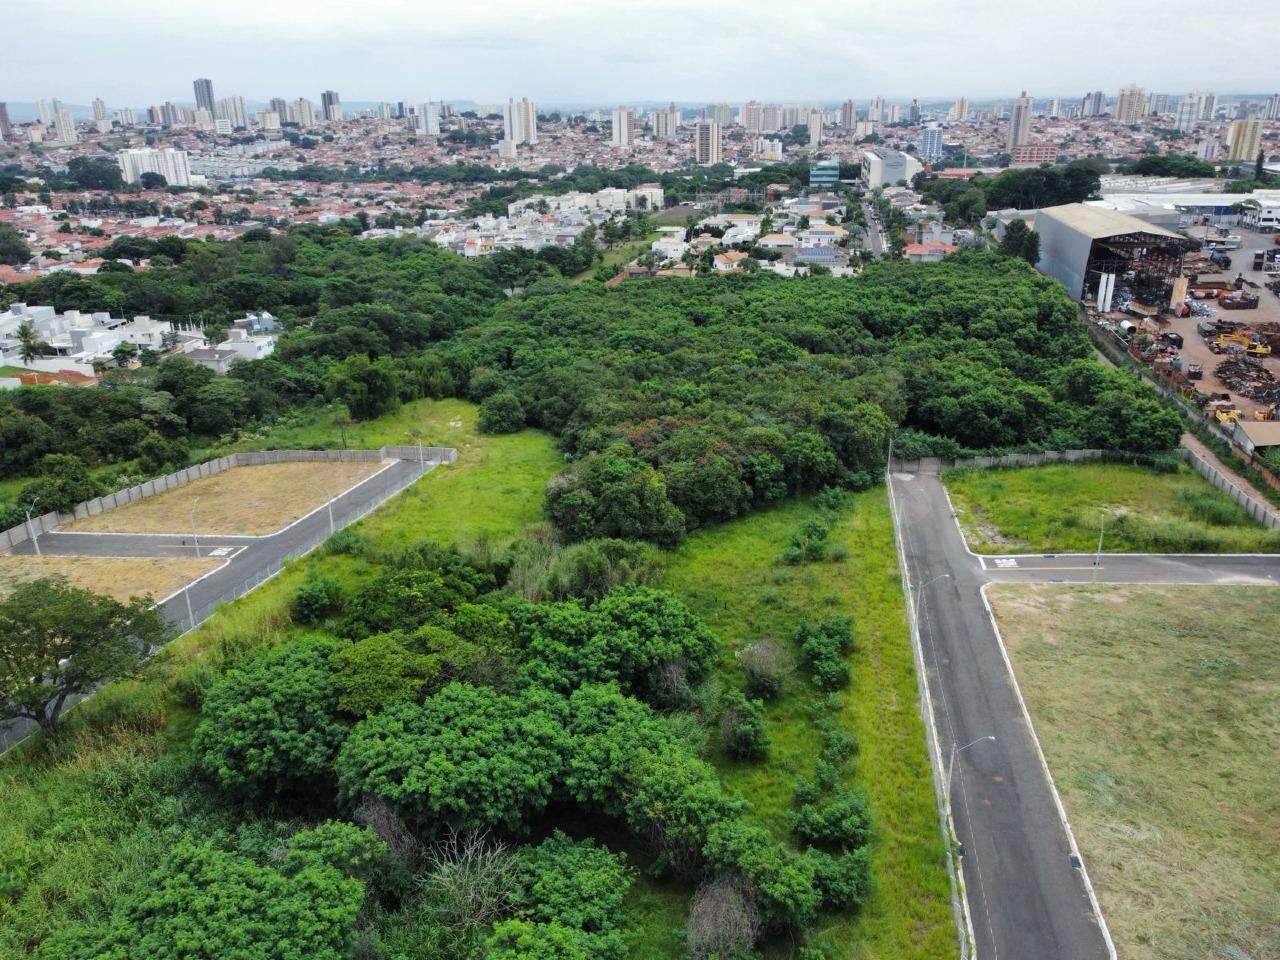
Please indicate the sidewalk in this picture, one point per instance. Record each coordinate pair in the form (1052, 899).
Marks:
(1208, 456)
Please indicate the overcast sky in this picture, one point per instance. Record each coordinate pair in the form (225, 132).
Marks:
(136, 52)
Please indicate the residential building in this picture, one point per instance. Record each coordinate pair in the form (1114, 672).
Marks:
(1244, 138)
(1157, 104)
(520, 121)
(1272, 112)
(232, 109)
(750, 118)
(823, 175)
(268, 120)
(331, 106)
(1206, 103)
(1131, 105)
(169, 163)
(706, 143)
(931, 142)
(815, 128)
(960, 109)
(427, 118)
(6, 126)
(304, 112)
(623, 128)
(64, 126)
(666, 122)
(100, 114)
(204, 94)
(1094, 105)
(1033, 154)
(1187, 115)
(1019, 122)
(1055, 108)
(721, 113)
(848, 115)
(47, 110)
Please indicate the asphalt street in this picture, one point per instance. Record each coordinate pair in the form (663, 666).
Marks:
(248, 560)
(1025, 889)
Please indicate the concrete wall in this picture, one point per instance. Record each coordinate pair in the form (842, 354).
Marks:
(51, 521)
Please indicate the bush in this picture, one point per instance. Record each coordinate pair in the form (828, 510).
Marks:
(500, 413)
(521, 940)
(823, 647)
(272, 727)
(765, 666)
(723, 922)
(780, 882)
(317, 598)
(742, 728)
(575, 884)
(843, 880)
(590, 569)
(841, 823)
(646, 628)
(379, 672)
(808, 544)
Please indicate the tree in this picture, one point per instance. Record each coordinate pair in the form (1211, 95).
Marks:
(58, 642)
(64, 482)
(95, 173)
(153, 181)
(13, 248)
(501, 413)
(123, 352)
(30, 346)
(1021, 241)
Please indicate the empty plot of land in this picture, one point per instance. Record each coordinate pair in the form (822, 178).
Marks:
(1063, 507)
(242, 501)
(118, 577)
(1156, 709)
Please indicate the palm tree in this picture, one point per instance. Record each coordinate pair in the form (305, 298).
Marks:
(29, 344)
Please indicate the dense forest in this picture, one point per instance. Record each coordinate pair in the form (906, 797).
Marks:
(680, 403)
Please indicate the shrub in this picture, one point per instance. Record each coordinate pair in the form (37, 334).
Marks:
(779, 881)
(590, 569)
(808, 544)
(723, 922)
(467, 758)
(272, 727)
(467, 877)
(573, 883)
(500, 413)
(381, 671)
(843, 880)
(842, 823)
(521, 940)
(742, 728)
(317, 598)
(645, 628)
(765, 665)
(823, 647)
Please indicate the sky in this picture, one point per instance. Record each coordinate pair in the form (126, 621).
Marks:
(138, 52)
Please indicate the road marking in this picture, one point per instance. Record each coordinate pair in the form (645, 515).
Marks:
(219, 552)
(1006, 562)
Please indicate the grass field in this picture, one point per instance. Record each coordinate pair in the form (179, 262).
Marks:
(1157, 710)
(242, 501)
(119, 577)
(729, 575)
(1060, 509)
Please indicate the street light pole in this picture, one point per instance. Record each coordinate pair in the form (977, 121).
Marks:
(920, 595)
(955, 751)
(195, 537)
(35, 540)
(1097, 557)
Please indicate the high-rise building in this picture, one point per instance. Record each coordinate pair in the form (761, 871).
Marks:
(960, 109)
(1131, 104)
(6, 126)
(1185, 117)
(1019, 122)
(1244, 138)
(768, 148)
(304, 112)
(64, 127)
(280, 106)
(1094, 104)
(623, 127)
(520, 121)
(666, 122)
(1206, 102)
(721, 113)
(232, 109)
(877, 112)
(427, 118)
(931, 142)
(749, 117)
(268, 120)
(1273, 107)
(169, 163)
(100, 111)
(1157, 104)
(1055, 108)
(848, 114)
(204, 94)
(125, 117)
(815, 128)
(331, 106)
(706, 143)
(46, 110)
(913, 112)
(770, 118)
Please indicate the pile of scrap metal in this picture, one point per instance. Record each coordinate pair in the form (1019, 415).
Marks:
(1249, 379)
(1230, 336)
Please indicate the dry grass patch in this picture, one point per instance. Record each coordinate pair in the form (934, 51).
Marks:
(118, 577)
(1157, 708)
(242, 501)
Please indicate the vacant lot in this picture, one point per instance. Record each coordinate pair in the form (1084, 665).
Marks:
(1157, 710)
(119, 577)
(1061, 508)
(242, 501)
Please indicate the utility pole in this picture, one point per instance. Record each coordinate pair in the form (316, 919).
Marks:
(191, 617)
(1097, 557)
(955, 751)
(35, 540)
(195, 537)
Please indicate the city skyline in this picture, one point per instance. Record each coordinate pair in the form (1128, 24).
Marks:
(556, 53)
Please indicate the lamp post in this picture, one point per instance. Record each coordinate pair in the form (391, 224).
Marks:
(35, 540)
(195, 537)
(956, 751)
(920, 595)
(1097, 557)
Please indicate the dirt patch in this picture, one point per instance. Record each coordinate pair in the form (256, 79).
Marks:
(118, 577)
(242, 501)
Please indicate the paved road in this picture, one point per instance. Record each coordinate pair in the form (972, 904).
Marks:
(1026, 893)
(249, 560)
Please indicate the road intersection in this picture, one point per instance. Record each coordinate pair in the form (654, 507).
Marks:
(1026, 887)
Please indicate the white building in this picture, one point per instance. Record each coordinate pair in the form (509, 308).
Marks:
(232, 109)
(64, 127)
(882, 167)
(169, 163)
(706, 143)
(520, 121)
(624, 123)
(427, 120)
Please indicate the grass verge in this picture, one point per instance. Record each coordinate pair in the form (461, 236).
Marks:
(1156, 708)
(1060, 508)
